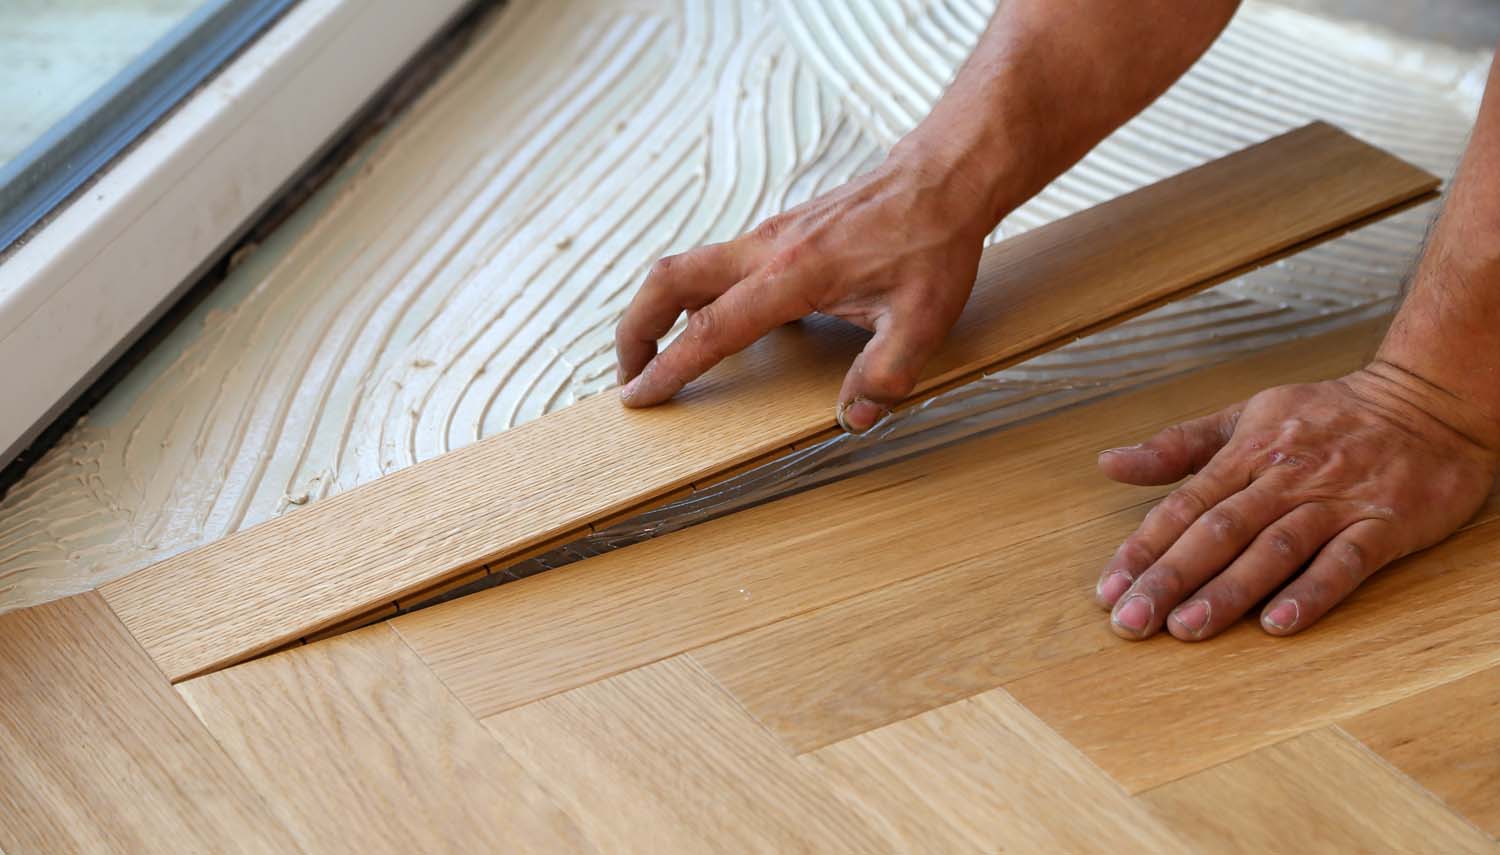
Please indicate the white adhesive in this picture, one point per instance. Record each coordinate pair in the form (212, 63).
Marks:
(465, 272)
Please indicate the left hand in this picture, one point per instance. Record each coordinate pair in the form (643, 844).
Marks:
(1308, 489)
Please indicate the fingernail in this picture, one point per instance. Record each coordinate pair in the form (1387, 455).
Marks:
(1193, 617)
(859, 414)
(1133, 613)
(1283, 616)
(1123, 449)
(1111, 587)
(629, 388)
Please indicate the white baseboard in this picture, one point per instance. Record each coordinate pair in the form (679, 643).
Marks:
(88, 282)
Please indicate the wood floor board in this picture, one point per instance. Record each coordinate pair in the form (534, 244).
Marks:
(1448, 740)
(564, 628)
(98, 753)
(1318, 792)
(826, 675)
(1423, 622)
(660, 760)
(365, 751)
(381, 542)
(985, 774)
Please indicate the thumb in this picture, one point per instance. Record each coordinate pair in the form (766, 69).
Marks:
(885, 372)
(1173, 453)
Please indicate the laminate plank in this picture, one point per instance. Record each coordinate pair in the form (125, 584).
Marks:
(660, 760)
(953, 508)
(821, 676)
(1448, 740)
(386, 540)
(1318, 792)
(365, 751)
(100, 755)
(984, 774)
(1427, 620)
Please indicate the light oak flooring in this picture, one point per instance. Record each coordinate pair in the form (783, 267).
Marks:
(905, 661)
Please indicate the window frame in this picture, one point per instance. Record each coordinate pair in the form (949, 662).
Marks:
(106, 262)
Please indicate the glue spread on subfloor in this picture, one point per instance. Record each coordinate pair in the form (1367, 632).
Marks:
(464, 273)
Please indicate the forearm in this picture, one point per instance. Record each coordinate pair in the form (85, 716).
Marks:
(1447, 332)
(1048, 81)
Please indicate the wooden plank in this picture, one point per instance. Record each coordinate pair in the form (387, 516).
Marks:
(1448, 740)
(981, 622)
(953, 508)
(100, 755)
(1425, 621)
(349, 553)
(986, 775)
(898, 651)
(660, 760)
(366, 751)
(1319, 792)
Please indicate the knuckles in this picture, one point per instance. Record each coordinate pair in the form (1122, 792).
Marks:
(1135, 556)
(885, 382)
(1354, 560)
(662, 270)
(1225, 524)
(771, 228)
(1285, 541)
(1162, 583)
(1182, 506)
(704, 329)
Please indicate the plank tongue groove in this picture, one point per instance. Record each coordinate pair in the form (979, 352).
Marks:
(381, 542)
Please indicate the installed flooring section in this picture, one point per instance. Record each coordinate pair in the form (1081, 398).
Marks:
(904, 661)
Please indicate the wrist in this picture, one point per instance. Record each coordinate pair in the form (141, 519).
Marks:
(978, 173)
(1446, 335)
(1397, 389)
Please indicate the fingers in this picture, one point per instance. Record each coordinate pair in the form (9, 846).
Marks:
(1162, 527)
(1276, 554)
(1208, 545)
(725, 326)
(1173, 453)
(887, 369)
(1340, 567)
(676, 283)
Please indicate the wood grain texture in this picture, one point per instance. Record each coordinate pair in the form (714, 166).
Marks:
(100, 755)
(566, 627)
(660, 760)
(1448, 740)
(1319, 792)
(383, 541)
(897, 651)
(1422, 622)
(985, 775)
(365, 751)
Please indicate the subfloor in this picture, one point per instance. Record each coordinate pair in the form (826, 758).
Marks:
(838, 671)
(463, 273)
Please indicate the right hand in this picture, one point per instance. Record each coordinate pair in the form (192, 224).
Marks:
(894, 251)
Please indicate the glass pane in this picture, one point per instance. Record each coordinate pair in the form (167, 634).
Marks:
(81, 79)
(59, 52)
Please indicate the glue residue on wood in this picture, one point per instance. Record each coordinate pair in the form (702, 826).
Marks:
(463, 274)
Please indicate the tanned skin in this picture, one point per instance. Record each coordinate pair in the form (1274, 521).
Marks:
(1301, 492)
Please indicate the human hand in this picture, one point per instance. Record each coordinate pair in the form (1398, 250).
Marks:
(1308, 489)
(894, 252)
